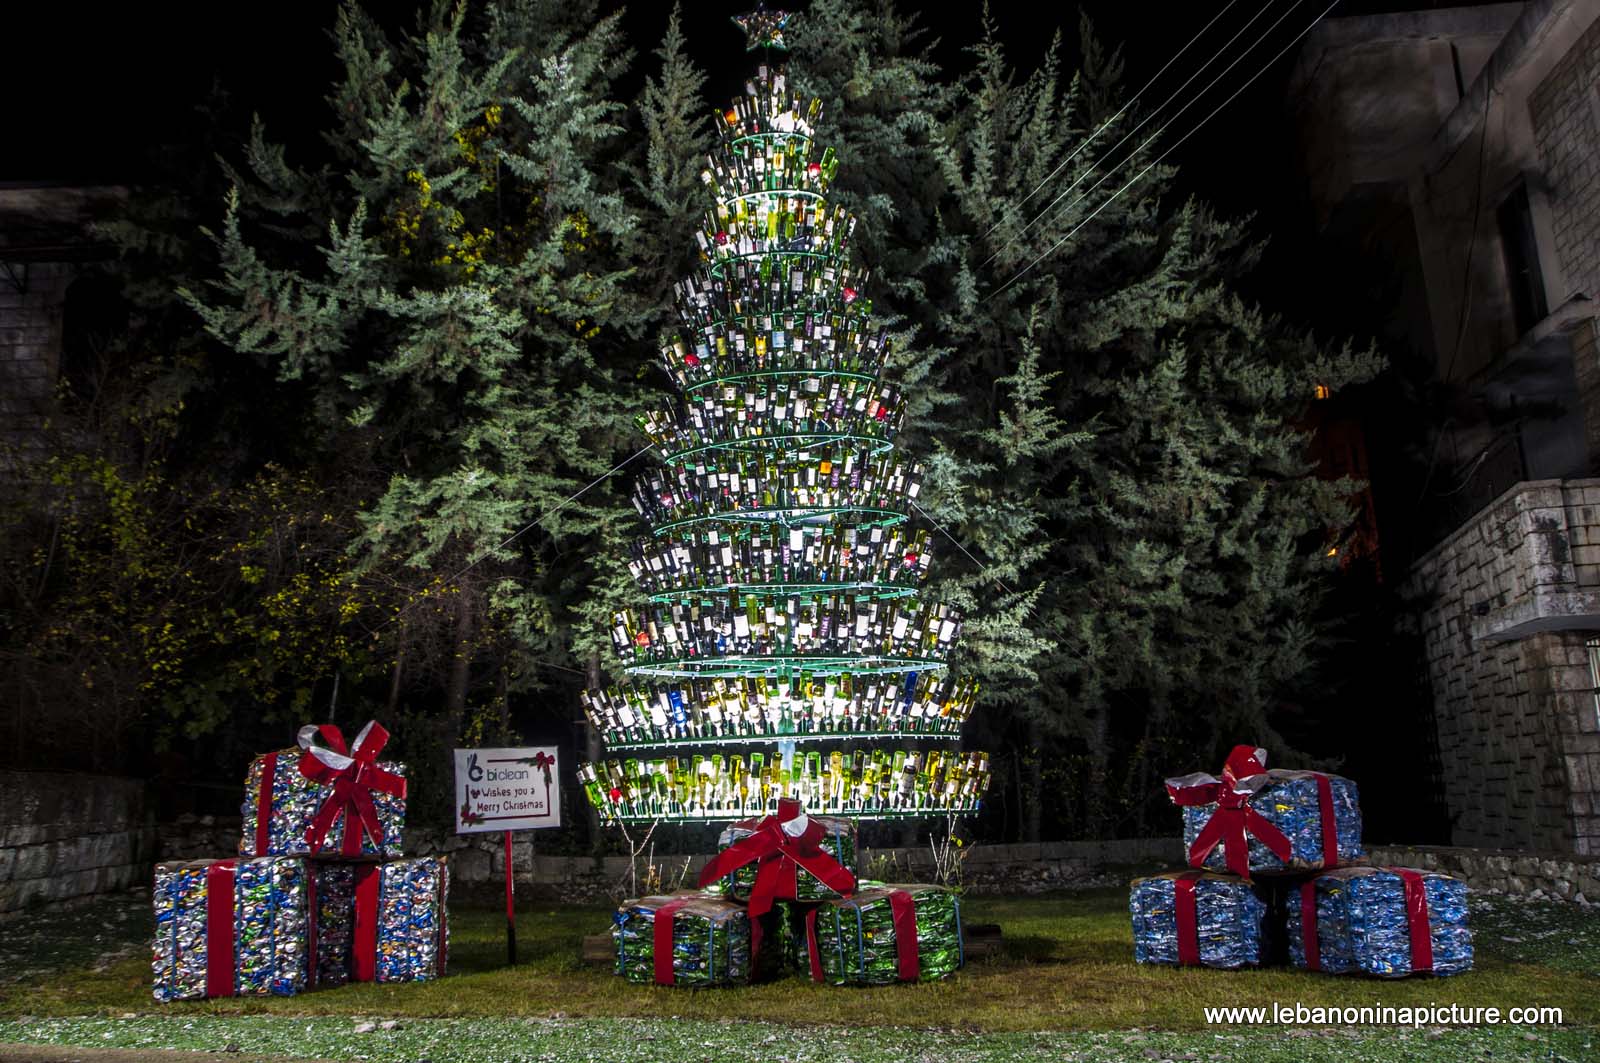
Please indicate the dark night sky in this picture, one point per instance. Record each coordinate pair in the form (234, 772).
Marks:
(91, 94)
(105, 85)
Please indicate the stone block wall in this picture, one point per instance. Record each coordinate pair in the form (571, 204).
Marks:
(1565, 110)
(30, 346)
(1536, 875)
(65, 836)
(1507, 603)
(478, 864)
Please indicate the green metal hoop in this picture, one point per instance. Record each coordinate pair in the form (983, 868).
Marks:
(807, 738)
(767, 374)
(790, 516)
(870, 592)
(736, 665)
(874, 445)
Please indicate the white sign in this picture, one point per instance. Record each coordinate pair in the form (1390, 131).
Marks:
(507, 789)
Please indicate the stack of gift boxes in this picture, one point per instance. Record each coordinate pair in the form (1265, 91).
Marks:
(782, 897)
(319, 894)
(1278, 875)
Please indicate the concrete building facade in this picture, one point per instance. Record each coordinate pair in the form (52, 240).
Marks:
(1460, 149)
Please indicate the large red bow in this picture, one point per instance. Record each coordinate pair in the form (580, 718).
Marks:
(353, 774)
(1242, 775)
(780, 845)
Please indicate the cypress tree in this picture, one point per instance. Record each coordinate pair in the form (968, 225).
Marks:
(1120, 428)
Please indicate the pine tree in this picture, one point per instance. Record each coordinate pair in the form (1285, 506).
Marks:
(785, 618)
(1115, 431)
(456, 292)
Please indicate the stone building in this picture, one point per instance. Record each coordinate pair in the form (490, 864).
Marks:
(44, 241)
(1459, 149)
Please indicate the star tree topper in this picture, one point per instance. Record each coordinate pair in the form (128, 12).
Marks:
(764, 28)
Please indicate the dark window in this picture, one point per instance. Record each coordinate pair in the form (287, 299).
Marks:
(1521, 252)
(90, 320)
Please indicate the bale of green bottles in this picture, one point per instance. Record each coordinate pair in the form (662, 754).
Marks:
(710, 939)
(838, 841)
(855, 941)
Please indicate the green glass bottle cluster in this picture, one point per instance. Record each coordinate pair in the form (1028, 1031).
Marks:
(787, 626)
(749, 709)
(733, 411)
(838, 783)
(783, 578)
(877, 561)
(735, 485)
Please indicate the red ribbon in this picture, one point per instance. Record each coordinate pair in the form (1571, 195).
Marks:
(364, 938)
(1308, 926)
(1417, 919)
(269, 771)
(663, 928)
(1233, 817)
(1187, 915)
(1330, 827)
(811, 945)
(904, 912)
(779, 858)
(219, 929)
(444, 913)
(353, 775)
(313, 917)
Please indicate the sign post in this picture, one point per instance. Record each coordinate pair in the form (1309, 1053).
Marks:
(511, 911)
(507, 790)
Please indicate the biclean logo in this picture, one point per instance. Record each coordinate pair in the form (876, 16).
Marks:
(474, 772)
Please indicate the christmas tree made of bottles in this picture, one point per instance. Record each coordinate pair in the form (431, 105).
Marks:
(785, 627)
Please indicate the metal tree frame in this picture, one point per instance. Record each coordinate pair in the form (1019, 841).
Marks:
(753, 689)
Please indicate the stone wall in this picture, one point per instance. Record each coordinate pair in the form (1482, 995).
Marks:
(1548, 875)
(1565, 110)
(65, 836)
(30, 346)
(192, 837)
(1507, 603)
(478, 864)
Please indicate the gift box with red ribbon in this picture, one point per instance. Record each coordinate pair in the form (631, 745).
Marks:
(785, 856)
(231, 928)
(688, 938)
(1383, 921)
(380, 922)
(1197, 919)
(885, 934)
(1252, 820)
(325, 798)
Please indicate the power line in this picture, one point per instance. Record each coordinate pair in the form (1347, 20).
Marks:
(1164, 127)
(953, 539)
(1123, 109)
(1466, 279)
(1143, 121)
(1175, 144)
(540, 519)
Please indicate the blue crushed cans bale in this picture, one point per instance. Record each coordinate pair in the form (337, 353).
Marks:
(1363, 925)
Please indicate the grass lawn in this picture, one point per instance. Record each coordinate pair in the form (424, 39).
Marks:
(1065, 987)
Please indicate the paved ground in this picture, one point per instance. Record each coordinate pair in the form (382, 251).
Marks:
(13, 1053)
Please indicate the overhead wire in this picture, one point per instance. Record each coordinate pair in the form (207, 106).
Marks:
(1175, 144)
(958, 545)
(1108, 123)
(536, 522)
(1143, 121)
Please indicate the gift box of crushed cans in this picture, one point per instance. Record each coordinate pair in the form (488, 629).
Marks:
(318, 896)
(1276, 858)
(782, 897)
